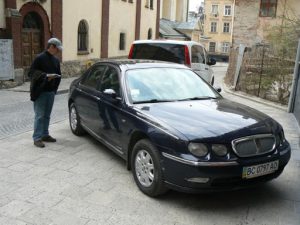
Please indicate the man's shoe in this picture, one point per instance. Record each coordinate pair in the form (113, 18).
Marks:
(39, 144)
(48, 139)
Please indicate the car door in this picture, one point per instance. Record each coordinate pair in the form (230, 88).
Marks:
(87, 101)
(199, 63)
(110, 108)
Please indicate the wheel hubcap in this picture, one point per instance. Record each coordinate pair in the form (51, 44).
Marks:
(73, 118)
(144, 168)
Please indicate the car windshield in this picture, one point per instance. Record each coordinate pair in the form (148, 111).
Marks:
(166, 84)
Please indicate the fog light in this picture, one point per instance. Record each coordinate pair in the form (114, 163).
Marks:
(198, 179)
(219, 150)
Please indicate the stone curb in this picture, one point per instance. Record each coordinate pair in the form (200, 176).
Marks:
(253, 98)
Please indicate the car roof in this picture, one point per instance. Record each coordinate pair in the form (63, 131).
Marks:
(167, 42)
(126, 64)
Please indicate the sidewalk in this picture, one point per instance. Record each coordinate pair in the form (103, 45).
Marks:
(63, 87)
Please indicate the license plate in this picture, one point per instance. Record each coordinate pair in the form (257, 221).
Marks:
(260, 170)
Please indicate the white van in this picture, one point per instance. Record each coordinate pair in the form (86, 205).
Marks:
(190, 53)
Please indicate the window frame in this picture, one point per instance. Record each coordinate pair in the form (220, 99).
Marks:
(212, 7)
(83, 37)
(268, 6)
(210, 47)
(122, 42)
(225, 45)
(89, 73)
(226, 27)
(211, 27)
(226, 10)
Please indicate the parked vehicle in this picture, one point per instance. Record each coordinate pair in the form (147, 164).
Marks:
(173, 129)
(189, 53)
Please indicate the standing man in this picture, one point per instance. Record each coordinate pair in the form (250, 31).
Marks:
(45, 77)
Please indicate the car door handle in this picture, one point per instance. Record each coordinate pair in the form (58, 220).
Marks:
(97, 98)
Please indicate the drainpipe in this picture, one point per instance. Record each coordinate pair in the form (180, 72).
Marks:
(295, 81)
(232, 20)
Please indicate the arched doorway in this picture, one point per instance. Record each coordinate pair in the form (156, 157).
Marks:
(32, 38)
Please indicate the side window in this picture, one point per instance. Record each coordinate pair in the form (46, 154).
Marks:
(110, 80)
(198, 55)
(95, 75)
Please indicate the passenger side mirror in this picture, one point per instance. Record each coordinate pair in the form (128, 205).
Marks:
(111, 93)
(218, 88)
(211, 61)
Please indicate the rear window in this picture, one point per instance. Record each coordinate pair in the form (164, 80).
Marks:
(164, 52)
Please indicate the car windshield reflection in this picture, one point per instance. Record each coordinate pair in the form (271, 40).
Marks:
(153, 85)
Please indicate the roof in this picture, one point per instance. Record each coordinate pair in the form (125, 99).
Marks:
(167, 42)
(140, 63)
(167, 29)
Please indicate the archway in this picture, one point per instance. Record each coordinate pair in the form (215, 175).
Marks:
(35, 31)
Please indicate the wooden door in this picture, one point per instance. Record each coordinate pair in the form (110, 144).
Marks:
(31, 46)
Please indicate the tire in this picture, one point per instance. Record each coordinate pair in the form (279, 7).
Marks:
(74, 121)
(146, 169)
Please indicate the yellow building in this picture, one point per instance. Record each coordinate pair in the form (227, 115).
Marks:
(218, 25)
(88, 29)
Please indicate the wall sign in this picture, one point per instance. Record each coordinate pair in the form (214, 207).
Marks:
(6, 60)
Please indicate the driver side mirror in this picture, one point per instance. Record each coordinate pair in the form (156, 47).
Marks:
(218, 88)
(211, 61)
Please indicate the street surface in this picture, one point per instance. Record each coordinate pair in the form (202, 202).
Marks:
(77, 181)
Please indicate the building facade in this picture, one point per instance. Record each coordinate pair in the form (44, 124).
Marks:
(218, 23)
(254, 20)
(89, 30)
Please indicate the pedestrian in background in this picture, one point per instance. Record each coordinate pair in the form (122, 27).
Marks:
(45, 78)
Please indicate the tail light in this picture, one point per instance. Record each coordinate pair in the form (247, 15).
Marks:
(131, 52)
(187, 60)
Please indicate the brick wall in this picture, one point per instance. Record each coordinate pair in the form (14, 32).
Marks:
(246, 22)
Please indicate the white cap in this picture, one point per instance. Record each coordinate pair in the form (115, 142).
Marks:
(56, 42)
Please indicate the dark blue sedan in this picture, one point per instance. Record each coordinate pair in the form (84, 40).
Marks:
(173, 129)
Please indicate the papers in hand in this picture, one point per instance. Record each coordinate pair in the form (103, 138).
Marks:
(54, 75)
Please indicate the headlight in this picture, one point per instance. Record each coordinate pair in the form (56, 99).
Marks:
(219, 150)
(198, 149)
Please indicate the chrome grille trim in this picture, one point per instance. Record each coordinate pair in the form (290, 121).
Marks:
(254, 138)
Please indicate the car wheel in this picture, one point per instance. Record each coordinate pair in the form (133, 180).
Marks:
(74, 120)
(146, 168)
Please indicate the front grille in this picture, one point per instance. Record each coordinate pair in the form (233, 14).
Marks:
(254, 145)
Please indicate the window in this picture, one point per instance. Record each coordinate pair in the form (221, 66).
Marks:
(268, 8)
(198, 54)
(122, 41)
(212, 46)
(110, 80)
(214, 9)
(213, 27)
(226, 27)
(94, 76)
(225, 47)
(149, 4)
(82, 44)
(227, 10)
(149, 34)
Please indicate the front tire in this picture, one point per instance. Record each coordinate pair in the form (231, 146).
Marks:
(146, 168)
(74, 120)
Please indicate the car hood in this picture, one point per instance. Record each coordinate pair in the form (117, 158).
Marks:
(208, 118)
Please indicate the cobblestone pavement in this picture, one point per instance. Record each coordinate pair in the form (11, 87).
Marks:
(17, 115)
(77, 181)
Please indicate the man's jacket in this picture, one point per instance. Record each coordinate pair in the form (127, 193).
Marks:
(37, 84)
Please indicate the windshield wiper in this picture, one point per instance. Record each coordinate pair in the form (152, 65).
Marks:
(197, 98)
(153, 101)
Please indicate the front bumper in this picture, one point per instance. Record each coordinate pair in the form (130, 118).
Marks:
(190, 176)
